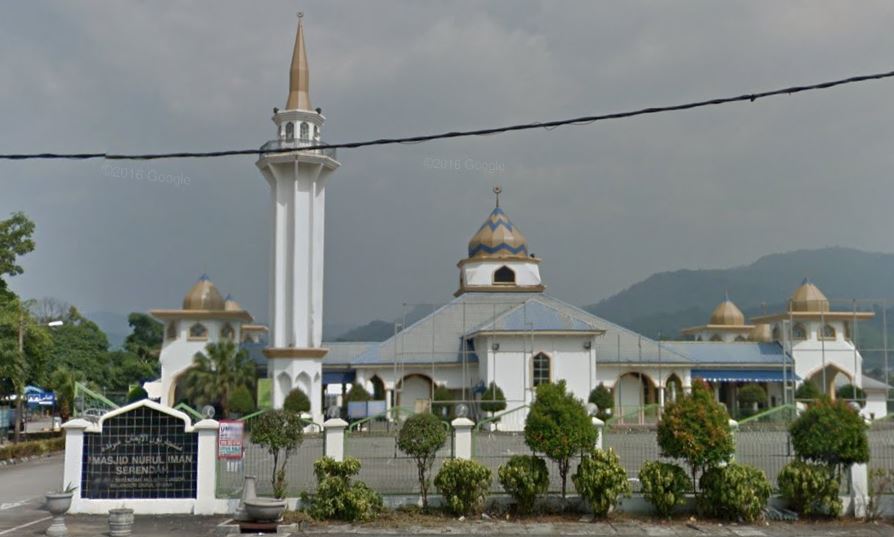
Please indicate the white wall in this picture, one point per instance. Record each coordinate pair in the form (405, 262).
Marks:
(177, 355)
(481, 273)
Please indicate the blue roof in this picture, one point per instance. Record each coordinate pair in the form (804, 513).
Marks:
(738, 353)
(745, 375)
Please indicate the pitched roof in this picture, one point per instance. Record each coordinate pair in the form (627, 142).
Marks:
(740, 353)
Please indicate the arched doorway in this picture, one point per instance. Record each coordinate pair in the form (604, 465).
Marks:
(673, 388)
(829, 378)
(378, 388)
(633, 392)
(414, 393)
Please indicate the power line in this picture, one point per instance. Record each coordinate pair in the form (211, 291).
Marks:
(549, 125)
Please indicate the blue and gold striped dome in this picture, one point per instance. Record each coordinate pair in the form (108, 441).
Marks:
(497, 237)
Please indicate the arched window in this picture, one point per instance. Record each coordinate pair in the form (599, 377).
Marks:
(740, 338)
(227, 332)
(716, 337)
(828, 332)
(172, 330)
(541, 372)
(799, 332)
(303, 132)
(290, 131)
(504, 275)
(198, 331)
(316, 132)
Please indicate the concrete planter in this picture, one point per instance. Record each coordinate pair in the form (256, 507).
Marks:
(120, 522)
(58, 504)
(264, 509)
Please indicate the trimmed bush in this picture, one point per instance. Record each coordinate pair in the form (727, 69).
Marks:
(464, 485)
(441, 403)
(604, 401)
(808, 391)
(664, 486)
(524, 477)
(137, 393)
(339, 498)
(420, 437)
(810, 489)
(558, 426)
(357, 394)
(750, 397)
(695, 428)
(493, 400)
(241, 402)
(849, 392)
(296, 402)
(734, 492)
(830, 433)
(601, 481)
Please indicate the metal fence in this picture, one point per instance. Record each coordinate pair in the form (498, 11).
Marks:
(258, 462)
(881, 445)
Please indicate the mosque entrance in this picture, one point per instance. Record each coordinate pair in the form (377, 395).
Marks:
(414, 393)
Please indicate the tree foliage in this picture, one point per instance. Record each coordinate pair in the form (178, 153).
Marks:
(831, 433)
(493, 400)
(810, 489)
(664, 486)
(734, 492)
(280, 432)
(80, 345)
(296, 402)
(338, 497)
(558, 426)
(357, 394)
(137, 393)
(216, 373)
(603, 399)
(62, 381)
(241, 401)
(808, 391)
(145, 338)
(524, 477)
(464, 485)
(849, 392)
(696, 428)
(420, 437)
(15, 241)
(601, 480)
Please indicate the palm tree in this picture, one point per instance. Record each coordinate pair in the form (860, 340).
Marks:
(216, 373)
(63, 381)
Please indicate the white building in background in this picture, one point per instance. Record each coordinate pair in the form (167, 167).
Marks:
(501, 327)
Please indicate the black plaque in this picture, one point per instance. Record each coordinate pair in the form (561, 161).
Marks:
(142, 454)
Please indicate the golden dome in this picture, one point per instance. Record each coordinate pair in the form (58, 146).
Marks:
(761, 332)
(808, 298)
(498, 238)
(231, 305)
(727, 314)
(204, 296)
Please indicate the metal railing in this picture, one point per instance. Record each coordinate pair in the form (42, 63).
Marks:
(298, 144)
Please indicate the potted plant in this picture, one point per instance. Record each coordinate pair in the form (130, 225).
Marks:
(58, 503)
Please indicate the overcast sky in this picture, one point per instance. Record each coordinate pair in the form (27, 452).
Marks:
(604, 205)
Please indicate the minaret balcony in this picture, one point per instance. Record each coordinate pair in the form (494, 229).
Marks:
(296, 145)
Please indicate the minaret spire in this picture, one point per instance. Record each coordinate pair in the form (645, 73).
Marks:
(299, 74)
(497, 190)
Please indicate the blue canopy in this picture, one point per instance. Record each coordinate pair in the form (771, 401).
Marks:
(745, 375)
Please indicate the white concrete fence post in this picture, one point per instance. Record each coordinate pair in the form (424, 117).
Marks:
(74, 448)
(206, 467)
(462, 438)
(734, 431)
(600, 431)
(335, 438)
(859, 484)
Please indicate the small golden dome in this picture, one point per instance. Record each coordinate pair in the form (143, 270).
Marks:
(204, 296)
(727, 314)
(498, 238)
(808, 298)
(761, 332)
(231, 305)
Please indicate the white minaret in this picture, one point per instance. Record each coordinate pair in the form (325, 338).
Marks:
(297, 180)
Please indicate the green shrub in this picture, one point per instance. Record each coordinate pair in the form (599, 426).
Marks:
(849, 392)
(601, 480)
(664, 486)
(339, 498)
(31, 448)
(734, 492)
(464, 485)
(493, 400)
(280, 432)
(524, 477)
(241, 402)
(830, 433)
(558, 426)
(137, 393)
(420, 437)
(442, 406)
(808, 391)
(604, 401)
(695, 428)
(750, 397)
(296, 402)
(810, 489)
(357, 394)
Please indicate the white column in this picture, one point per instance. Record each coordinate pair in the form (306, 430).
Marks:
(206, 466)
(462, 438)
(859, 481)
(734, 429)
(74, 460)
(600, 430)
(335, 438)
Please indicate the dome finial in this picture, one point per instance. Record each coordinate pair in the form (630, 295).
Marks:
(497, 191)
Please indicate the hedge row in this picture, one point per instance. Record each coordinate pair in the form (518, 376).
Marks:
(31, 448)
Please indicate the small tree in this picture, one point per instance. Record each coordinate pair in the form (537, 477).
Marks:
(604, 401)
(849, 392)
(281, 432)
(696, 429)
(558, 426)
(808, 391)
(357, 394)
(420, 437)
(493, 400)
(750, 397)
(830, 433)
(241, 402)
(296, 402)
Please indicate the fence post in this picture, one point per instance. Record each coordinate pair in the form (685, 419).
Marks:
(462, 438)
(600, 431)
(859, 485)
(206, 466)
(74, 448)
(734, 430)
(335, 438)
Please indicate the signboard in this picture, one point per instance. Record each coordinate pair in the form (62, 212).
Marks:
(143, 453)
(229, 440)
(265, 394)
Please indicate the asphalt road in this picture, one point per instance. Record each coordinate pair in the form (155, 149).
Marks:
(22, 489)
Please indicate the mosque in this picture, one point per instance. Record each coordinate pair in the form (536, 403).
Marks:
(501, 326)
